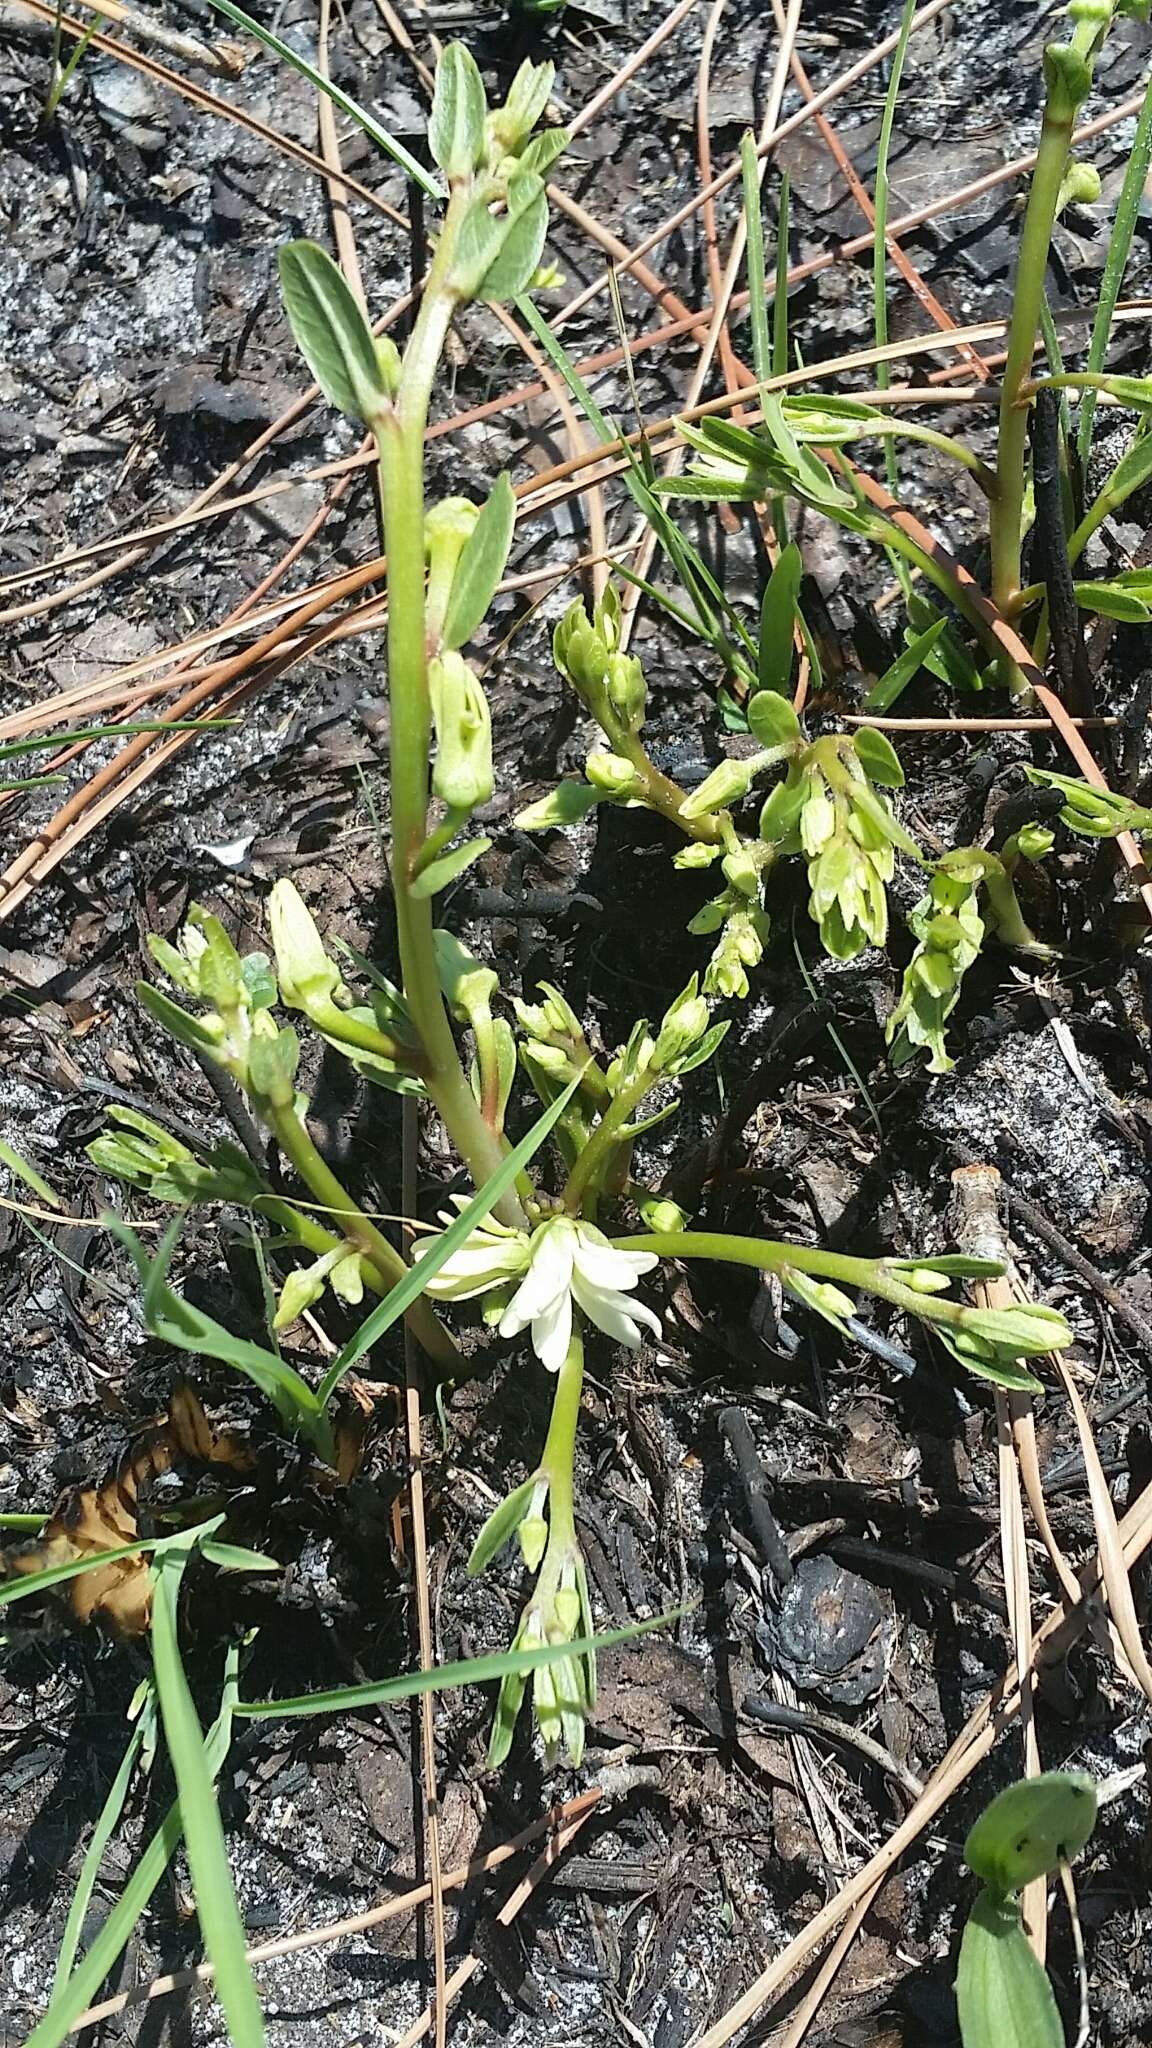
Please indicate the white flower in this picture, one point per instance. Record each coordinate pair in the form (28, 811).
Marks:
(563, 1261)
(489, 1257)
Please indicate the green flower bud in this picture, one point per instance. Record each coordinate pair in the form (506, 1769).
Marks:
(1035, 841)
(817, 822)
(272, 1060)
(566, 1608)
(389, 363)
(685, 1023)
(612, 773)
(627, 690)
(661, 1215)
(462, 774)
(922, 1280)
(468, 986)
(742, 870)
(728, 783)
(1081, 186)
(309, 980)
(697, 854)
(533, 1535)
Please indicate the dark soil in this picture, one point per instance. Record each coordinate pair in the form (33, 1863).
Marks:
(143, 349)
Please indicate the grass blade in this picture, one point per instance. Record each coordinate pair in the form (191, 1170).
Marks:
(469, 1671)
(102, 1834)
(23, 1170)
(94, 1966)
(880, 225)
(187, 1328)
(1119, 247)
(416, 1279)
(754, 243)
(696, 577)
(216, 1907)
(339, 98)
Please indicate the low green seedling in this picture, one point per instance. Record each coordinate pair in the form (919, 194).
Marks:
(1003, 1994)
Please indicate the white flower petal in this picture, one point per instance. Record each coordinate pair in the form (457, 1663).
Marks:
(550, 1273)
(603, 1266)
(618, 1315)
(552, 1332)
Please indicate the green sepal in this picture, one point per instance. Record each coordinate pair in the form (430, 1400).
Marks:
(481, 565)
(501, 1526)
(439, 873)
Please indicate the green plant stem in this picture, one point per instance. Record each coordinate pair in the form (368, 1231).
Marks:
(292, 1137)
(583, 1184)
(353, 1031)
(1119, 247)
(1007, 506)
(771, 1256)
(1012, 928)
(558, 1458)
(400, 442)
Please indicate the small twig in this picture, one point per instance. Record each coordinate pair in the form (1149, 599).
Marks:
(807, 1721)
(733, 1425)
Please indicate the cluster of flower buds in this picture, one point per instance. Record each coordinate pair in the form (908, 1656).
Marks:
(554, 1041)
(828, 809)
(502, 167)
(139, 1151)
(1096, 813)
(563, 1690)
(992, 1343)
(609, 683)
(949, 932)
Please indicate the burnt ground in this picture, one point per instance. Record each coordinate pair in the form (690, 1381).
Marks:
(143, 350)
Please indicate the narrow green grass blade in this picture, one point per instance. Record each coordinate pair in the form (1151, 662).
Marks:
(754, 243)
(339, 98)
(216, 1906)
(780, 294)
(83, 1985)
(22, 1521)
(469, 1671)
(58, 1574)
(187, 1328)
(70, 736)
(422, 1271)
(102, 1834)
(675, 546)
(17, 1164)
(1119, 248)
(895, 680)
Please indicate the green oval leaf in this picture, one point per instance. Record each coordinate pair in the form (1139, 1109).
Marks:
(1030, 1827)
(331, 331)
(523, 242)
(878, 757)
(481, 565)
(777, 628)
(1114, 601)
(459, 111)
(1003, 1997)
